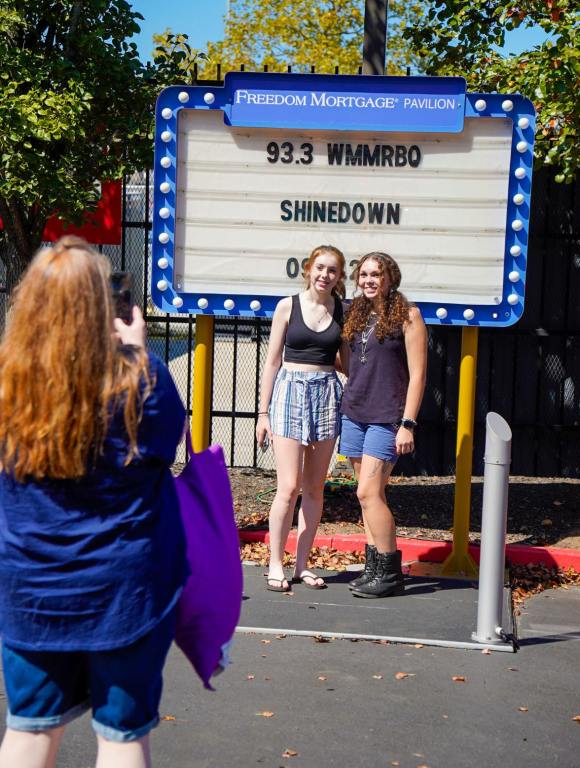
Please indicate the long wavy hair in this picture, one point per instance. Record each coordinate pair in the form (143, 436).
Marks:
(62, 371)
(393, 308)
(339, 289)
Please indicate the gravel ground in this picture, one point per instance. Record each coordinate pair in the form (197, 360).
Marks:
(541, 511)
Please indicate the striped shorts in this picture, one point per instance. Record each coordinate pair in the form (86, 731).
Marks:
(305, 406)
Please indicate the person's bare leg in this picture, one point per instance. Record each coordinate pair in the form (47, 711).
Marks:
(123, 754)
(316, 460)
(356, 464)
(289, 455)
(374, 475)
(28, 749)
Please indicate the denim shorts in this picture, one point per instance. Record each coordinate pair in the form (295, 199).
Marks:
(305, 405)
(376, 440)
(47, 689)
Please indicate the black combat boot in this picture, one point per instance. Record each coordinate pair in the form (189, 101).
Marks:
(387, 578)
(367, 574)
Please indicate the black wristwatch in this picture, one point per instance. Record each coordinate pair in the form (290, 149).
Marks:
(408, 424)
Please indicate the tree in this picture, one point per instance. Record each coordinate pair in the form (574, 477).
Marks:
(75, 107)
(308, 33)
(462, 39)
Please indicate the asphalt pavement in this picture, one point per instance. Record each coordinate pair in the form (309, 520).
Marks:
(297, 702)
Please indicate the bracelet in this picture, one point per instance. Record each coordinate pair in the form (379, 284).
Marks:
(408, 423)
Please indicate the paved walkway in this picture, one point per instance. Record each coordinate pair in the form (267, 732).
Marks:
(340, 704)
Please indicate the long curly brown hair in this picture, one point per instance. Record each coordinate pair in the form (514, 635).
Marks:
(339, 289)
(62, 372)
(393, 308)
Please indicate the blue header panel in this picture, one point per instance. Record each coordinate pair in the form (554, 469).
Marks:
(413, 104)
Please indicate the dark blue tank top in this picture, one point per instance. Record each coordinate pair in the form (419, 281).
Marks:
(303, 345)
(377, 389)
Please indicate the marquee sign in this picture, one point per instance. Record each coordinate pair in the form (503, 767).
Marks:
(250, 177)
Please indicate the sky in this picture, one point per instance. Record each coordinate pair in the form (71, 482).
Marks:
(202, 20)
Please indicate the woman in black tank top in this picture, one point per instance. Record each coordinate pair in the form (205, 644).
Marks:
(387, 366)
(300, 408)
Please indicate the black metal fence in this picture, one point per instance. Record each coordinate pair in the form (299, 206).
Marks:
(529, 373)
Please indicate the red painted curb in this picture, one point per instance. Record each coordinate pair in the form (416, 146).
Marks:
(435, 551)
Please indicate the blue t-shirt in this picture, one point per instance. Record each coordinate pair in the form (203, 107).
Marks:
(96, 563)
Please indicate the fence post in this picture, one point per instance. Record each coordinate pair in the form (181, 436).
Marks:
(498, 441)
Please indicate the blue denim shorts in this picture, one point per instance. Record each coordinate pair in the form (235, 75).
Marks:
(47, 689)
(376, 440)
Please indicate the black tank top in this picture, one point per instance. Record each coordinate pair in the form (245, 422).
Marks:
(377, 389)
(303, 345)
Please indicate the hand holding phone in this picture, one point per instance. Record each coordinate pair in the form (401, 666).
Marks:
(121, 286)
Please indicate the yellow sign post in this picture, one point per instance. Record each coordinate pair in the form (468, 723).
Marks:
(202, 375)
(460, 561)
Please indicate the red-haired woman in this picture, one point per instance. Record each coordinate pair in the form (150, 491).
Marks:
(300, 407)
(386, 380)
(92, 552)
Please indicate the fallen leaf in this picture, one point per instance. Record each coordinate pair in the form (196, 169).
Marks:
(377, 677)
(546, 521)
(486, 651)
(401, 675)
(168, 718)
(458, 678)
(266, 642)
(250, 677)
(513, 669)
(576, 718)
(395, 762)
(321, 639)
(522, 709)
(321, 677)
(280, 637)
(445, 717)
(265, 714)
(267, 678)
(418, 645)
(289, 753)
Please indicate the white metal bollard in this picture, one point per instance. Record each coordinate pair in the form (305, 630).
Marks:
(498, 441)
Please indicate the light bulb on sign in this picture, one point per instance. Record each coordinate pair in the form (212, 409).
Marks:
(515, 250)
(162, 263)
(441, 313)
(468, 314)
(164, 238)
(164, 187)
(513, 299)
(521, 146)
(518, 199)
(507, 105)
(165, 136)
(523, 123)
(202, 303)
(480, 105)
(514, 276)
(166, 113)
(165, 162)
(520, 173)
(183, 97)
(255, 305)
(162, 285)
(229, 304)
(177, 302)
(517, 225)
(209, 98)
(164, 213)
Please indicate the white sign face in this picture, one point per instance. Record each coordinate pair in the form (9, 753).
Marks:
(252, 203)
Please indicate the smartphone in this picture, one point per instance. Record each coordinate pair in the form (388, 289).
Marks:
(265, 444)
(122, 288)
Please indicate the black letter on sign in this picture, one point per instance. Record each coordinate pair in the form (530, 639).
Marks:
(292, 268)
(286, 206)
(414, 156)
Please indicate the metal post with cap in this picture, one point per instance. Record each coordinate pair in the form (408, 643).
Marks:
(498, 441)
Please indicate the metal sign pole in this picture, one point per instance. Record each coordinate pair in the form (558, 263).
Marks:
(375, 37)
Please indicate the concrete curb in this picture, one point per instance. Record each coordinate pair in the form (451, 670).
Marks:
(424, 550)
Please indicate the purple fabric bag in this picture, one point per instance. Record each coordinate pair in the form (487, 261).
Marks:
(209, 606)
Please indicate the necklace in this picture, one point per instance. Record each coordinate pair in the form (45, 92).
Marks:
(366, 333)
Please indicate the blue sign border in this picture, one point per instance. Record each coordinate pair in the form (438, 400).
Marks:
(175, 98)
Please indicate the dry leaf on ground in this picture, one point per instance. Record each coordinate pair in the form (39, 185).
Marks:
(401, 675)
(250, 677)
(522, 709)
(486, 652)
(377, 677)
(265, 714)
(459, 679)
(321, 677)
(290, 753)
(576, 718)
(168, 718)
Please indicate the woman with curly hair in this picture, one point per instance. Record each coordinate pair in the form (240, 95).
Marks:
(92, 549)
(300, 408)
(386, 379)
